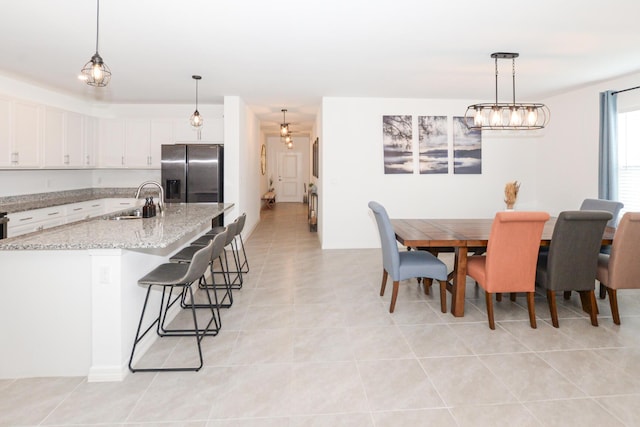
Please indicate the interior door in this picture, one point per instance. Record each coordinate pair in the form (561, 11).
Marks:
(289, 177)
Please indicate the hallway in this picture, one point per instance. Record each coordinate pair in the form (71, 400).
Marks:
(309, 342)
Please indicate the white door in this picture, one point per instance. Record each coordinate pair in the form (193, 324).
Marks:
(289, 177)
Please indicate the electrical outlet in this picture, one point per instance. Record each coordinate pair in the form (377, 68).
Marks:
(104, 275)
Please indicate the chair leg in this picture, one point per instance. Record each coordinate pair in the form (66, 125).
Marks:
(589, 305)
(513, 296)
(531, 306)
(427, 285)
(553, 309)
(498, 296)
(613, 302)
(394, 295)
(603, 291)
(489, 301)
(443, 296)
(384, 281)
(567, 295)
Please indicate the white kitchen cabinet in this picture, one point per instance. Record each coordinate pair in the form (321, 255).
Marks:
(137, 143)
(161, 133)
(74, 139)
(53, 144)
(35, 220)
(83, 210)
(63, 138)
(26, 134)
(111, 145)
(90, 141)
(6, 144)
(115, 205)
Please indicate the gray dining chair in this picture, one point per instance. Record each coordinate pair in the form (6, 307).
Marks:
(570, 264)
(406, 264)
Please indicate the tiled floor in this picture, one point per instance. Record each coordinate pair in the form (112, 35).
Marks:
(308, 342)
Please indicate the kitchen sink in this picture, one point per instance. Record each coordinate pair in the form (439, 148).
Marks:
(123, 215)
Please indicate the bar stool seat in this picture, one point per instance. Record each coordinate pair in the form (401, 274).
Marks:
(182, 276)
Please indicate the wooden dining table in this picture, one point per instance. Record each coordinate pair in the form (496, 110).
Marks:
(460, 236)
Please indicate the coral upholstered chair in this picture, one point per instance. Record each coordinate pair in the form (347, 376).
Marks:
(406, 265)
(621, 269)
(510, 261)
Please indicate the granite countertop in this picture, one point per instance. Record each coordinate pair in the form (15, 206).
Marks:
(12, 204)
(177, 221)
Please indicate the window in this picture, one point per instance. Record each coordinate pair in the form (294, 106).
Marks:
(629, 160)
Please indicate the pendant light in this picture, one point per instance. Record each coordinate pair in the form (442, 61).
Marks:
(195, 120)
(95, 72)
(507, 116)
(284, 127)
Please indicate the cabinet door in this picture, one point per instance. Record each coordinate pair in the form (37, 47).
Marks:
(161, 134)
(26, 136)
(74, 144)
(137, 136)
(111, 145)
(6, 147)
(54, 153)
(90, 141)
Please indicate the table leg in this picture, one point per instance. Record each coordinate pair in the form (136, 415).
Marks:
(459, 282)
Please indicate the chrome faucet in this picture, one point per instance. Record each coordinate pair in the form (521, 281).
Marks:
(160, 189)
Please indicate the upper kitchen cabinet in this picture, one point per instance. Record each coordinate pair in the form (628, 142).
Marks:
(19, 134)
(6, 145)
(63, 144)
(111, 143)
(133, 143)
(212, 132)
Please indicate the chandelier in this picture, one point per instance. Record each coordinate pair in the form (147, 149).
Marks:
(195, 119)
(507, 116)
(284, 126)
(95, 72)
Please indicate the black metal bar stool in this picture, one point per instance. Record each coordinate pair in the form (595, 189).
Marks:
(237, 281)
(186, 254)
(239, 242)
(170, 276)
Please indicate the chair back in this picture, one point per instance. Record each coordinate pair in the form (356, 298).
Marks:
(624, 267)
(241, 220)
(390, 253)
(219, 242)
(573, 255)
(512, 251)
(603, 205)
(231, 231)
(198, 264)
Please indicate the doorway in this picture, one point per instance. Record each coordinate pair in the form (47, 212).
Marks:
(289, 182)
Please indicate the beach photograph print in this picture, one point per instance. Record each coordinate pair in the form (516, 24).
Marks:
(397, 142)
(467, 147)
(433, 144)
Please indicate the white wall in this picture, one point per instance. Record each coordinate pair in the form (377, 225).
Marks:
(568, 154)
(352, 171)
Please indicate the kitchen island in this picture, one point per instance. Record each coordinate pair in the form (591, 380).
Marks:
(70, 299)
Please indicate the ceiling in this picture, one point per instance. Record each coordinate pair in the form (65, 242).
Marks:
(290, 53)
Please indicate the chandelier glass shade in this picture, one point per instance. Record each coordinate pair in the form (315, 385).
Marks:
(95, 72)
(503, 115)
(196, 120)
(284, 126)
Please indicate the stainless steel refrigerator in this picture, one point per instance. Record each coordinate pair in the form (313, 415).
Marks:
(193, 173)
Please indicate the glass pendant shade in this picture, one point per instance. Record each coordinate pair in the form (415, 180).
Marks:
(95, 72)
(284, 126)
(196, 120)
(507, 115)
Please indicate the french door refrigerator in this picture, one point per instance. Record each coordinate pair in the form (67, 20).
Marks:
(193, 173)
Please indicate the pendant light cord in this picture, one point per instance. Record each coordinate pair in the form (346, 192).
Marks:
(97, 25)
